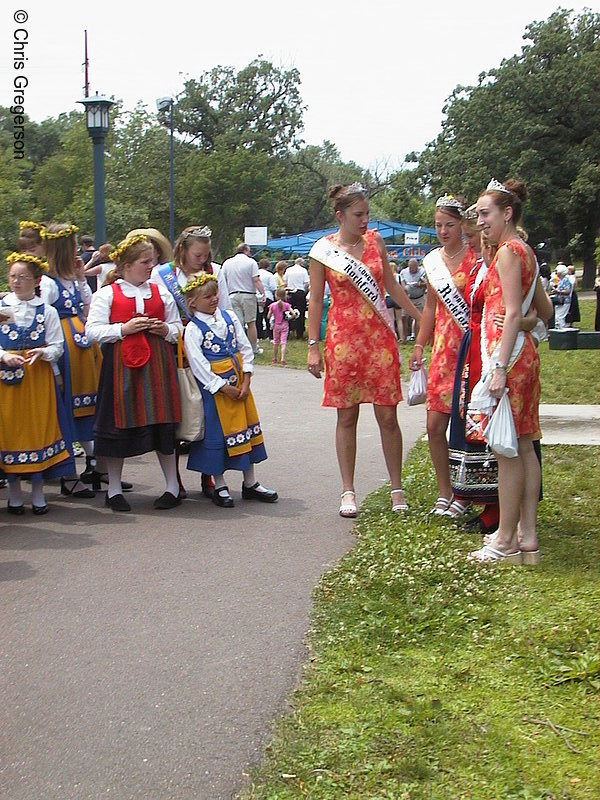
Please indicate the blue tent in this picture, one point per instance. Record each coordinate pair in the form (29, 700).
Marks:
(301, 243)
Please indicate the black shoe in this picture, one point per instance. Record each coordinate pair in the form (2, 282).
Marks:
(16, 510)
(167, 500)
(182, 493)
(117, 502)
(90, 468)
(39, 510)
(258, 492)
(221, 497)
(475, 525)
(68, 485)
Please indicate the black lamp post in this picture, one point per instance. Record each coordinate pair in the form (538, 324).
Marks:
(164, 104)
(96, 116)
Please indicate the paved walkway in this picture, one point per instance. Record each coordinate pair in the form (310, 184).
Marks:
(146, 655)
(568, 424)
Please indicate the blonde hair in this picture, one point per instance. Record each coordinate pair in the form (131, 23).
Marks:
(59, 249)
(185, 240)
(125, 253)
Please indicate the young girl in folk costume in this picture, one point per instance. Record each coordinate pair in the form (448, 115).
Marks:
(279, 315)
(66, 289)
(221, 359)
(446, 316)
(34, 429)
(30, 238)
(138, 396)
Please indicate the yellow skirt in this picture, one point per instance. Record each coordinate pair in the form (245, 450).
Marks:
(31, 438)
(239, 420)
(84, 369)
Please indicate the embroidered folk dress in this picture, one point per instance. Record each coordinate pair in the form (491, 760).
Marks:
(361, 353)
(523, 378)
(34, 428)
(80, 362)
(138, 401)
(447, 337)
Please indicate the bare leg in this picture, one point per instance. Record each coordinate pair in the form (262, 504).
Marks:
(275, 349)
(531, 494)
(283, 349)
(345, 444)
(511, 485)
(252, 335)
(437, 424)
(391, 442)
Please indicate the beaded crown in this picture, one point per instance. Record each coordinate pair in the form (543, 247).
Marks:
(496, 186)
(449, 201)
(27, 258)
(470, 214)
(198, 281)
(201, 233)
(356, 188)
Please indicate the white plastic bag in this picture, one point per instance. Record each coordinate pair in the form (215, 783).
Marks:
(501, 433)
(417, 386)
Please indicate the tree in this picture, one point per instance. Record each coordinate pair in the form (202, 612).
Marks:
(536, 117)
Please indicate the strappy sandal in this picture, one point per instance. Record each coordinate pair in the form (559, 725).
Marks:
(348, 507)
(457, 509)
(530, 558)
(442, 504)
(490, 555)
(399, 504)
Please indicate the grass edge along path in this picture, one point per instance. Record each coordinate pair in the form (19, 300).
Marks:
(429, 677)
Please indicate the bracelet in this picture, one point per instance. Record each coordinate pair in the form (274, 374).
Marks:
(419, 345)
(499, 366)
(313, 342)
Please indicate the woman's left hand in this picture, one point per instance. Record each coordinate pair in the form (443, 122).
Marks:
(245, 387)
(34, 354)
(497, 383)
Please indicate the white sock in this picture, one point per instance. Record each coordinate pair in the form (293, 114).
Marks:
(249, 478)
(219, 481)
(168, 464)
(114, 467)
(15, 493)
(37, 491)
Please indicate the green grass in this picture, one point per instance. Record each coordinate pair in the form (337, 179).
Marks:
(432, 678)
(567, 376)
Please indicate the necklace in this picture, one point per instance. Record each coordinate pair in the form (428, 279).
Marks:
(458, 252)
(344, 244)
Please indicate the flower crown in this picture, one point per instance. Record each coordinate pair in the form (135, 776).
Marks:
(27, 258)
(64, 233)
(496, 186)
(197, 282)
(121, 248)
(27, 223)
(449, 201)
(202, 233)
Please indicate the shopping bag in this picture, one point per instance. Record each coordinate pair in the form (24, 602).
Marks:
(417, 386)
(191, 427)
(501, 434)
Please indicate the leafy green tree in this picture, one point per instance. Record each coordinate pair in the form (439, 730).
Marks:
(405, 201)
(536, 117)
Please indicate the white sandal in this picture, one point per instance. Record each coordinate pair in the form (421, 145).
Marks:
(490, 555)
(348, 507)
(442, 504)
(400, 506)
(457, 509)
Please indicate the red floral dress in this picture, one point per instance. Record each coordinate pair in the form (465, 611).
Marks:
(523, 379)
(361, 352)
(447, 337)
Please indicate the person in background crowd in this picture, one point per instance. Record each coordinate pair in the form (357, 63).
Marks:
(280, 270)
(30, 238)
(297, 282)
(270, 285)
(574, 314)
(243, 282)
(562, 296)
(99, 265)
(86, 251)
(280, 313)
(597, 290)
(414, 283)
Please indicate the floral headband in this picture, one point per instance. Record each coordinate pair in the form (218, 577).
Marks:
(116, 254)
(27, 258)
(36, 226)
(197, 282)
(64, 233)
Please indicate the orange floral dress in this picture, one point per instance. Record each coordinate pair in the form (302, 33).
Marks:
(447, 337)
(361, 352)
(523, 379)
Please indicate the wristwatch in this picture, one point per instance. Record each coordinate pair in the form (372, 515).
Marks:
(500, 366)
(313, 342)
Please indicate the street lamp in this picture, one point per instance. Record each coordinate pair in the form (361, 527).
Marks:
(96, 117)
(164, 104)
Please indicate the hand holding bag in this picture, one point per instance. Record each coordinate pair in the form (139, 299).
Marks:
(191, 427)
(417, 386)
(501, 433)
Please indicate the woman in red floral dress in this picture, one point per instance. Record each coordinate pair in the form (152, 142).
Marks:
(447, 336)
(361, 351)
(506, 284)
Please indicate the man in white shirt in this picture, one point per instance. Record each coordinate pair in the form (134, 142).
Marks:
(243, 281)
(297, 282)
(414, 281)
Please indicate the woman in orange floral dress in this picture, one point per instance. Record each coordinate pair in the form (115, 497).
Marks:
(447, 336)
(506, 284)
(361, 351)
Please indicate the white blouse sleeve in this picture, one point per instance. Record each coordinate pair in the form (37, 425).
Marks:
(224, 301)
(198, 362)
(48, 290)
(244, 346)
(55, 340)
(98, 327)
(85, 292)
(172, 317)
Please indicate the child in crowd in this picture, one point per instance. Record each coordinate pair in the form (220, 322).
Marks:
(66, 288)
(34, 429)
(138, 396)
(280, 312)
(221, 359)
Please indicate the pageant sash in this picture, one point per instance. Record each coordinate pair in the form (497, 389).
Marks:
(358, 273)
(167, 273)
(440, 280)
